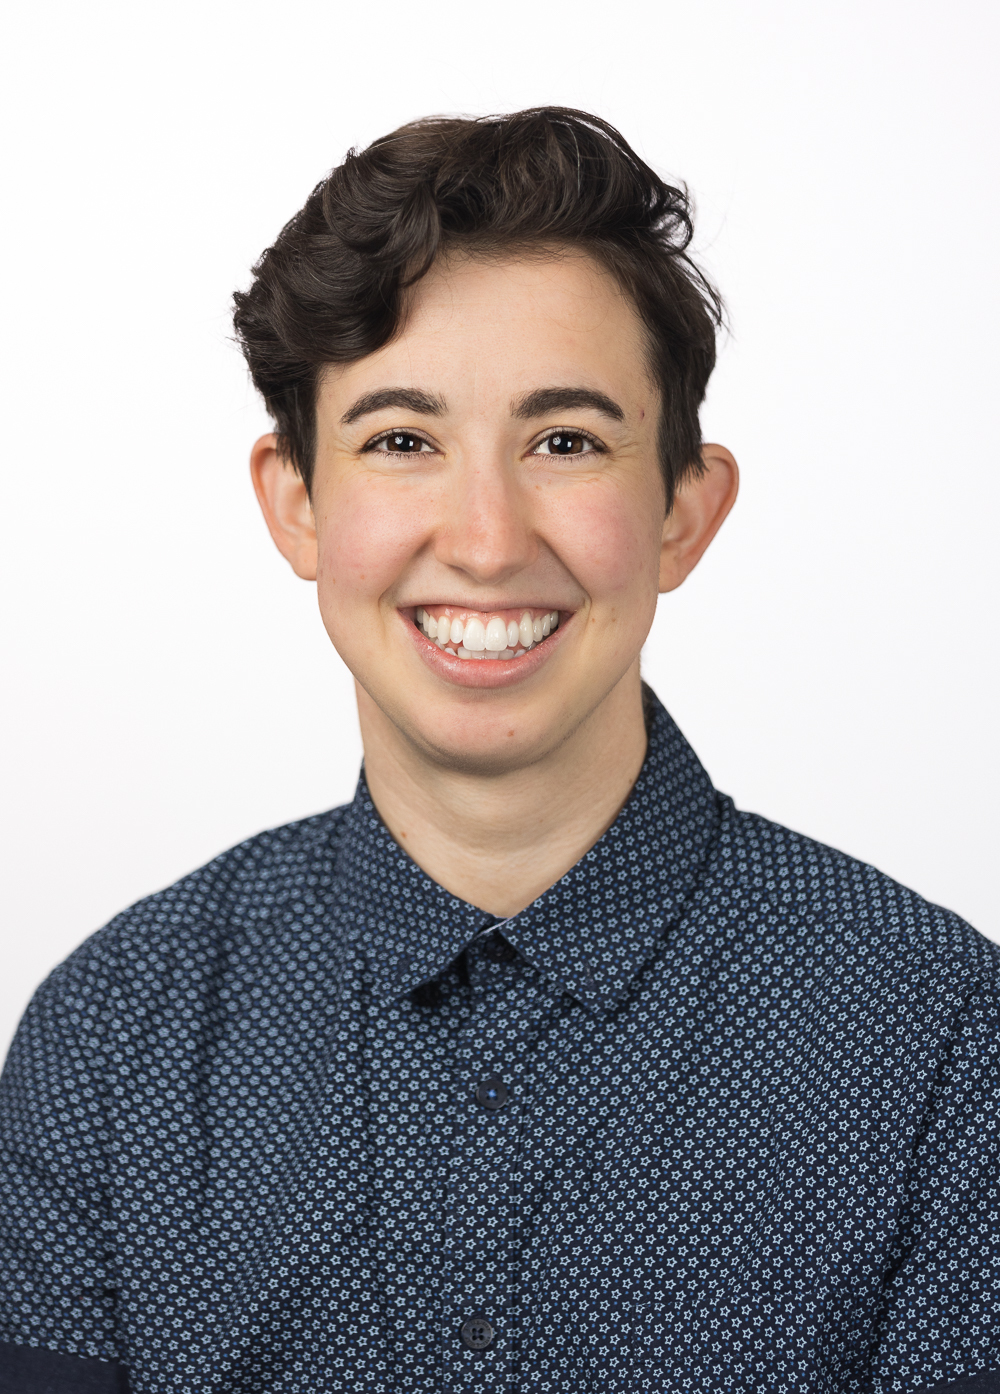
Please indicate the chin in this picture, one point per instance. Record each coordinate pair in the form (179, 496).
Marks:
(489, 752)
(491, 734)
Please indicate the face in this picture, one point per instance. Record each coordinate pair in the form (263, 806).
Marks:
(487, 523)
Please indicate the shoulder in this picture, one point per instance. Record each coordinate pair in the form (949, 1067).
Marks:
(835, 899)
(219, 911)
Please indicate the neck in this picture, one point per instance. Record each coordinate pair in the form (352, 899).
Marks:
(499, 841)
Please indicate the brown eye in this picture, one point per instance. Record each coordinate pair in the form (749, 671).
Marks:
(401, 443)
(566, 443)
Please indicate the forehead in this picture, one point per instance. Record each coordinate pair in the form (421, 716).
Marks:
(486, 330)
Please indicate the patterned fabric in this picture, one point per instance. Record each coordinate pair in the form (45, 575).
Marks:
(717, 1112)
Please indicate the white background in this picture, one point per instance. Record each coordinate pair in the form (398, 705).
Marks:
(168, 689)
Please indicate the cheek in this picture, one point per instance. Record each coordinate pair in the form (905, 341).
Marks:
(610, 540)
(365, 540)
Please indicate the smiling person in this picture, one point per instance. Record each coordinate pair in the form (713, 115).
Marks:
(538, 1066)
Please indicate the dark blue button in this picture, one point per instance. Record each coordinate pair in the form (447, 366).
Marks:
(492, 1093)
(497, 949)
(476, 1333)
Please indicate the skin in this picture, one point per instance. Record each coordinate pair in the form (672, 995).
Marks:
(496, 777)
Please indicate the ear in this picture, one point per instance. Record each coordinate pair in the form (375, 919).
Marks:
(284, 501)
(700, 508)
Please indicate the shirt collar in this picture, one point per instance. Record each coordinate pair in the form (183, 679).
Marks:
(590, 932)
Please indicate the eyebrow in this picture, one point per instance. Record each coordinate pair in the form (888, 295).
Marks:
(550, 399)
(409, 398)
(541, 402)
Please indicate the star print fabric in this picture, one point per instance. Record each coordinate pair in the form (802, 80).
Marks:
(718, 1112)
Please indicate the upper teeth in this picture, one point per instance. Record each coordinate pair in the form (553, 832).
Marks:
(497, 638)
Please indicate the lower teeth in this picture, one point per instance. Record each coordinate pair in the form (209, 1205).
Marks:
(488, 653)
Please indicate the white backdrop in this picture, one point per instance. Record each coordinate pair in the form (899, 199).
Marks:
(168, 689)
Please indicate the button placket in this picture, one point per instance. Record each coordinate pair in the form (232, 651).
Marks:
(483, 1215)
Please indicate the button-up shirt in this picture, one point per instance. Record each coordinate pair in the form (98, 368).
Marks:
(717, 1112)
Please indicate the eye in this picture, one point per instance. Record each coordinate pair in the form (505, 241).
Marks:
(564, 442)
(399, 443)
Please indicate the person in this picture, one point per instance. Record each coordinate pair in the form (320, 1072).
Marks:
(539, 1066)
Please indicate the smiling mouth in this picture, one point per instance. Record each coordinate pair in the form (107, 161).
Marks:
(481, 634)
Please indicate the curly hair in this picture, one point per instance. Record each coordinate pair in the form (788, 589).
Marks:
(331, 289)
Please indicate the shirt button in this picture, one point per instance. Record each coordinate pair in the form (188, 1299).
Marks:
(492, 1093)
(476, 1333)
(498, 950)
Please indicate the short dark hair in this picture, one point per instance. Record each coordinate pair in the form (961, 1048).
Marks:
(330, 289)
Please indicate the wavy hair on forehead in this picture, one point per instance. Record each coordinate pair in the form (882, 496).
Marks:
(332, 287)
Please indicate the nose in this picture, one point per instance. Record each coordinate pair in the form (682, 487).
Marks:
(485, 529)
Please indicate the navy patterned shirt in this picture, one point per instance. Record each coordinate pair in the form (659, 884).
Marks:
(717, 1112)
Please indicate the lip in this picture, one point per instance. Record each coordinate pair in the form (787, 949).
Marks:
(465, 672)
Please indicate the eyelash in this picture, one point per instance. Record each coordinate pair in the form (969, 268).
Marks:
(598, 447)
(372, 445)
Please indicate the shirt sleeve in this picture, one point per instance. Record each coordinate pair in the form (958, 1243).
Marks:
(58, 1284)
(986, 1382)
(941, 1322)
(32, 1370)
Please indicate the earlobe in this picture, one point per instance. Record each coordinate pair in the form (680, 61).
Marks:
(284, 502)
(701, 506)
